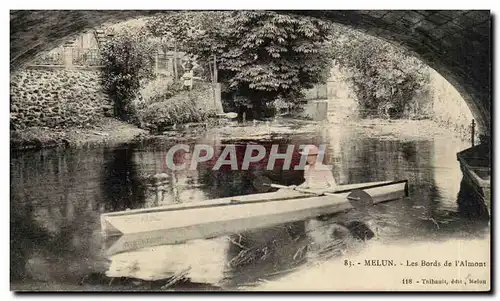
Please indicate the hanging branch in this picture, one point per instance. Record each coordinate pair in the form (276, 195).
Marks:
(211, 72)
(215, 69)
(176, 74)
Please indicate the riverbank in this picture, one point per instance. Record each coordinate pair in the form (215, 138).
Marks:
(408, 130)
(110, 131)
(107, 131)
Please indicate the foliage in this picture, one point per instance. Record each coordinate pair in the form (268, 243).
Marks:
(180, 27)
(386, 79)
(161, 104)
(156, 90)
(128, 58)
(260, 55)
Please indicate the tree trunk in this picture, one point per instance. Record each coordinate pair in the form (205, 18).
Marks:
(176, 75)
(215, 69)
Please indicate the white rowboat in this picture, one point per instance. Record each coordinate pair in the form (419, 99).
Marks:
(182, 222)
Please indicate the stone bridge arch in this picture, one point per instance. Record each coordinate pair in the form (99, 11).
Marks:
(454, 43)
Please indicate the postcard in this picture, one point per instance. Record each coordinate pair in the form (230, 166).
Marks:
(250, 150)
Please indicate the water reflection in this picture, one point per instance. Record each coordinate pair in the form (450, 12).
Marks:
(200, 261)
(470, 204)
(266, 253)
(57, 198)
(54, 216)
(120, 184)
(25, 235)
(229, 261)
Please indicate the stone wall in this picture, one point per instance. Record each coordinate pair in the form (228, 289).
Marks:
(56, 98)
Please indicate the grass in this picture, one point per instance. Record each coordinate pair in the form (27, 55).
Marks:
(158, 109)
(107, 131)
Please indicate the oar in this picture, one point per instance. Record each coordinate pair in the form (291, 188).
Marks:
(357, 198)
(297, 189)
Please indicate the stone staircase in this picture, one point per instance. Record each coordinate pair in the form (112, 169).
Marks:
(69, 43)
(102, 36)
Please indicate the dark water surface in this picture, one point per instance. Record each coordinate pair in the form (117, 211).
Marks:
(57, 197)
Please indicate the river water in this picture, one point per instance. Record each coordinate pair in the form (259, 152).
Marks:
(57, 197)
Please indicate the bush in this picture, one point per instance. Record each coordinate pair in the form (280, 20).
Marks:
(156, 90)
(128, 58)
(388, 82)
(161, 104)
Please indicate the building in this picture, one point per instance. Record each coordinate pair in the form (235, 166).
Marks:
(81, 51)
(84, 51)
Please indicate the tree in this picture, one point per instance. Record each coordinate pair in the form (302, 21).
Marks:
(260, 55)
(386, 79)
(127, 58)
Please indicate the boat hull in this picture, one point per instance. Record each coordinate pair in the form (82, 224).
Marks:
(182, 222)
(475, 165)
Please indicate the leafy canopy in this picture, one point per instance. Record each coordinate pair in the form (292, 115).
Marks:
(260, 55)
(383, 75)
